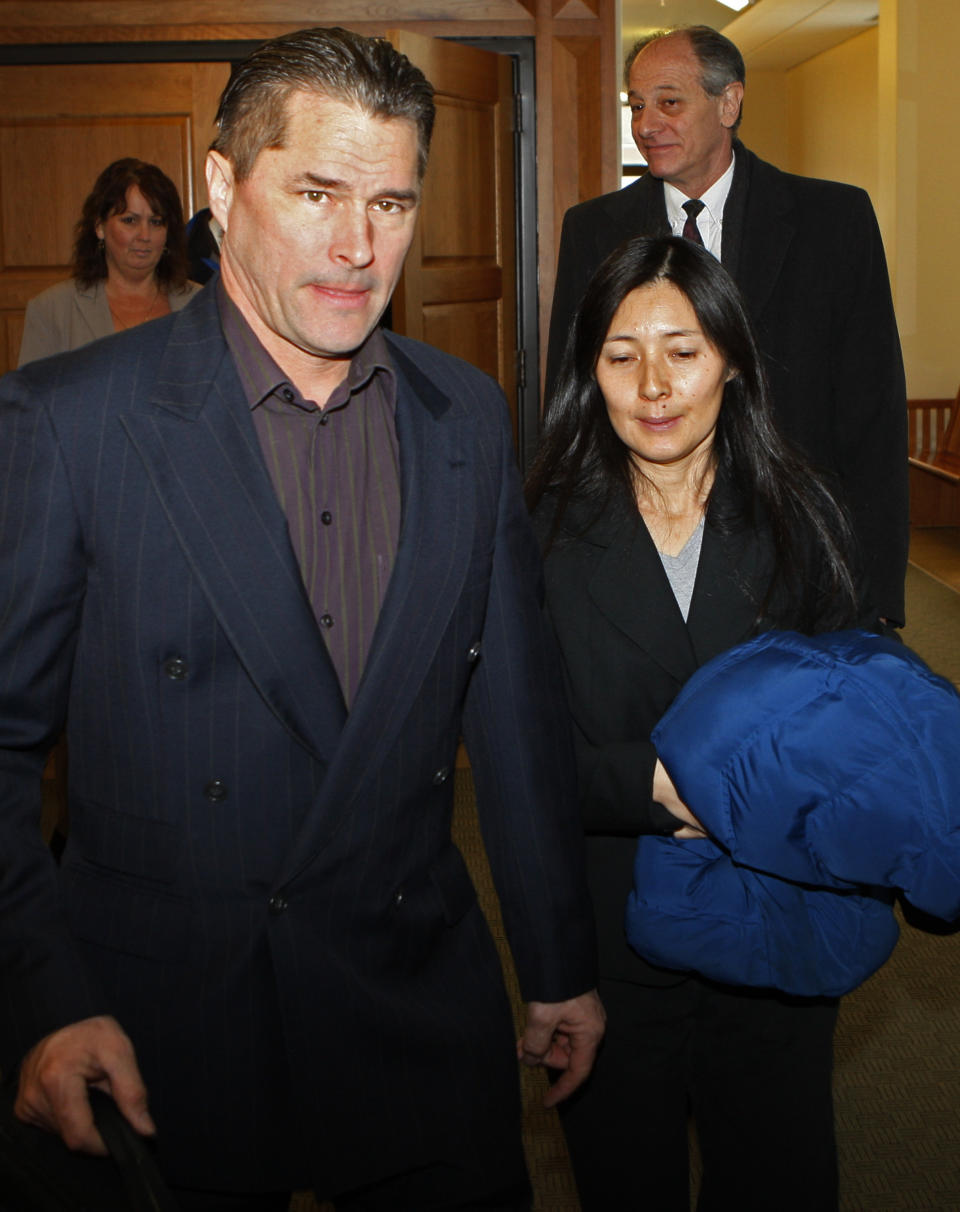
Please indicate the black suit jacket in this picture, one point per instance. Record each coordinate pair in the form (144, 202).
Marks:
(626, 652)
(809, 261)
(261, 887)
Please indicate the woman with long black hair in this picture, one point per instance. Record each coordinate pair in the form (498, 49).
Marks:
(675, 524)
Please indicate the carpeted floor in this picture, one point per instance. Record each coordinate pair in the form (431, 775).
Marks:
(933, 623)
(898, 1040)
(897, 1083)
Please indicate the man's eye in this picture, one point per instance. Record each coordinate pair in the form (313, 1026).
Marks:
(315, 195)
(386, 206)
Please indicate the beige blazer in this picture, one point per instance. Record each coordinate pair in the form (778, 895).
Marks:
(66, 316)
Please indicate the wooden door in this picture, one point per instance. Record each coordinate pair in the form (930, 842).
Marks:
(458, 289)
(60, 125)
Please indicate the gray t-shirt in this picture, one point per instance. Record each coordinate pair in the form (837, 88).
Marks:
(681, 569)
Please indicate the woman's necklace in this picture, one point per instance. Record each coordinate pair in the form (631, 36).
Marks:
(130, 317)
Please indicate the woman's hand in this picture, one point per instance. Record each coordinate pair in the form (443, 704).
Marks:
(665, 793)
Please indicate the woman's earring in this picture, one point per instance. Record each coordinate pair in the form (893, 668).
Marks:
(101, 245)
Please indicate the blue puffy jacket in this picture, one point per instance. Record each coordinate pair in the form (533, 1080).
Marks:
(826, 770)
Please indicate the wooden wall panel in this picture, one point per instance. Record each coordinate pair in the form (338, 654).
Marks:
(60, 125)
(567, 186)
(207, 81)
(458, 289)
(578, 116)
(472, 329)
(27, 16)
(60, 159)
(464, 146)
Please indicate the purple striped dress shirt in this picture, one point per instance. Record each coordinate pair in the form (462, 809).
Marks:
(336, 473)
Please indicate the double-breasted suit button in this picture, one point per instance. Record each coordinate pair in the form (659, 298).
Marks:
(473, 652)
(176, 668)
(216, 791)
(441, 775)
(277, 904)
(398, 898)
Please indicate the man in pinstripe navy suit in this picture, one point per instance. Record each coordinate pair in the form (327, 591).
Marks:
(269, 562)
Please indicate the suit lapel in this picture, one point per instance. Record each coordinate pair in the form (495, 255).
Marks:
(94, 310)
(631, 589)
(200, 450)
(434, 548)
(436, 441)
(734, 214)
(769, 227)
(734, 567)
(637, 210)
(722, 609)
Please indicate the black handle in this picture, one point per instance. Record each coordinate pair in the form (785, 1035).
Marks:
(141, 1179)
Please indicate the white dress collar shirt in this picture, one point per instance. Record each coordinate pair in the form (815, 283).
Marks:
(710, 219)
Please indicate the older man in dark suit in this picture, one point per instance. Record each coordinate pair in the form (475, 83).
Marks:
(808, 258)
(270, 561)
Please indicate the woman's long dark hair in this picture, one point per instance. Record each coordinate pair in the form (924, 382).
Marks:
(580, 455)
(109, 197)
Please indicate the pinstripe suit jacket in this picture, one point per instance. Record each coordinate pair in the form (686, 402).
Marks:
(259, 886)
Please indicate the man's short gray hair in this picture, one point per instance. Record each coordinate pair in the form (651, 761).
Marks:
(720, 60)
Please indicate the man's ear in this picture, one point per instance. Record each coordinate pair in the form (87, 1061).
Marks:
(730, 102)
(220, 185)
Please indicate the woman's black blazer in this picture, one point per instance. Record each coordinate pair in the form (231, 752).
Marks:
(626, 653)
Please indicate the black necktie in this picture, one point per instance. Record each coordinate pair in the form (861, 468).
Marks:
(690, 229)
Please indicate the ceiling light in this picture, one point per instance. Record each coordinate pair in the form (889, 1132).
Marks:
(736, 5)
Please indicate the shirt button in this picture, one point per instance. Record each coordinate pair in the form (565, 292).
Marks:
(473, 651)
(277, 904)
(288, 395)
(441, 776)
(326, 517)
(326, 620)
(324, 418)
(216, 791)
(176, 668)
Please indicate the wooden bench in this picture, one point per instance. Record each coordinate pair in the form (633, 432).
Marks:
(934, 448)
